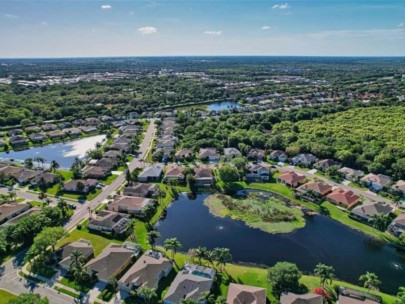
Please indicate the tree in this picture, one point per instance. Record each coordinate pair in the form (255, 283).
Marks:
(29, 298)
(152, 236)
(370, 281)
(128, 176)
(64, 207)
(200, 253)
(222, 256)
(40, 160)
(284, 276)
(172, 244)
(325, 273)
(228, 174)
(400, 296)
(80, 186)
(113, 282)
(148, 211)
(28, 163)
(188, 301)
(12, 195)
(380, 221)
(148, 294)
(76, 267)
(54, 165)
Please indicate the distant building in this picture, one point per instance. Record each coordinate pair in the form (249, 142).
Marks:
(151, 174)
(376, 182)
(344, 198)
(209, 154)
(130, 204)
(108, 221)
(367, 210)
(351, 174)
(291, 179)
(279, 156)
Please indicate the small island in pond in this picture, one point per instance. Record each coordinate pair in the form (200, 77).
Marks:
(270, 215)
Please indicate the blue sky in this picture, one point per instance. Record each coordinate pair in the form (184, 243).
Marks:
(60, 28)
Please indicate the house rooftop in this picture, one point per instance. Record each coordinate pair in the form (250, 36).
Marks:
(243, 294)
(308, 298)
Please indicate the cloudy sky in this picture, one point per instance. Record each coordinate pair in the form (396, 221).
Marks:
(74, 28)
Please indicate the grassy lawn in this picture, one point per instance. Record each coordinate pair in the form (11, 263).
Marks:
(5, 296)
(67, 292)
(357, 186)
(107, 294)
(109, 179)
(36, 204)
(85, 287)
(141, 234)
(97, 241)
(67, 175)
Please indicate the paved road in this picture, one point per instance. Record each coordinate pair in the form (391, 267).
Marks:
(9, 278)
(366, 193)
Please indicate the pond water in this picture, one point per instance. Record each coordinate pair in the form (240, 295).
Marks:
(321, 240)
(224, 105)
(64, 152)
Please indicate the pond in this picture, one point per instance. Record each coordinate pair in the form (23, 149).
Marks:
(224, 105)
(322, 240)
(64, 152)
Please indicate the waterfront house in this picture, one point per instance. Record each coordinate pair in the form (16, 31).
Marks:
(18, 140)
(350, 296)
(106, 164)
(397, 226)
(399, 188)
(150, 268)
(203, 177)
(141, 190)
(38, 137)
(56, 134)
(95, 172)
(151, 174)
(9, 211)
(10, 171)
(47, 178)
(191, 283)
(112, 154)
(376, 182)
(350, 174)
(130, 204)
(80, 186)
(72, 132)
(83, 246)
(89, 129)
(303, 159)
(306, 298)
(368, 209)
(174, 172)
(32, 129)
(324, 164)
(108, 221)
(110, 263)
(232, 152)
(278, 156)
(313, 190)
(49, 127)
(291, 179)
(25, 175)
(209, 154)
(244, 294)
(14, 132)
(344, 198)
(257, 172)
(256, 154)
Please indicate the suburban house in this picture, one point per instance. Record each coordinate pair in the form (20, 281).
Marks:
(14, 132)
(110, 263)
(324, 164)
(107, 164)
(89, 129)
(37, 137)
(20, 216)
(291, 179)
(112, 154)
(56, 134)
(141, 190)
(344, 198)
(278, 155)
(80, 186)
(350, 296)
(184, 153)
(397, 226)
(32, 129)
(49, 127)
(257, 172)
(108, 221)
(320, 189)
(376, 182)
(351, 174)
(72, 132)
(209, 154)
(130, 204)
(174, 172)
(46, 177)
(150, 268)
(304, 159)
(83, 246)
(10, 170)
(8, 211)
(399, 188)
(232, 152)
(366, 211)
(190, 283)
(244, 294)
(18, 140)
(256, 154)
(151, 174)
(165, 143)
(95, 172)
(203, 176)
(25, 175)
(307, 298)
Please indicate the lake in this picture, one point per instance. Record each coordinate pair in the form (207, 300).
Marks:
(321, 240)
(64, 152)
(224, 105)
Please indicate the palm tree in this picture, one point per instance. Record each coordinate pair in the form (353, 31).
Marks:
(206, 297)
(40, 160)
(152, 236)
(172, 244)
(200, 253)
(113, 282)
(128, 175)
(210, 257)
(325, 273)
(54, 165)
(222, 256)
(380, 221)
(76, 267)
(28, 163)
(371, 280)
(63, 205)
(220, 300)
(148, 294)
(12, 195)
(148, 211)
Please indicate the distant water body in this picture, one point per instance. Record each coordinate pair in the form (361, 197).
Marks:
(224, 105)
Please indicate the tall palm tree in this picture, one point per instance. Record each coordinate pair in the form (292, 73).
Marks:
(148, 294)
(172, 244)
(54, 165)
(76, 267)
(152, 236)
(222, 256)
(28, 163)
(325, 273)
(40, 160)
(371, 280)
(210, 257)
(380, 221)
(200, 253)
(63, 205)
(12, 195)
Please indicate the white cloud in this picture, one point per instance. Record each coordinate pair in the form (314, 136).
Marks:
(265, 27)
(10, 16)
(402, 24)
(106, 7)
(280, 6)
(213, 33)
(146, 30)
